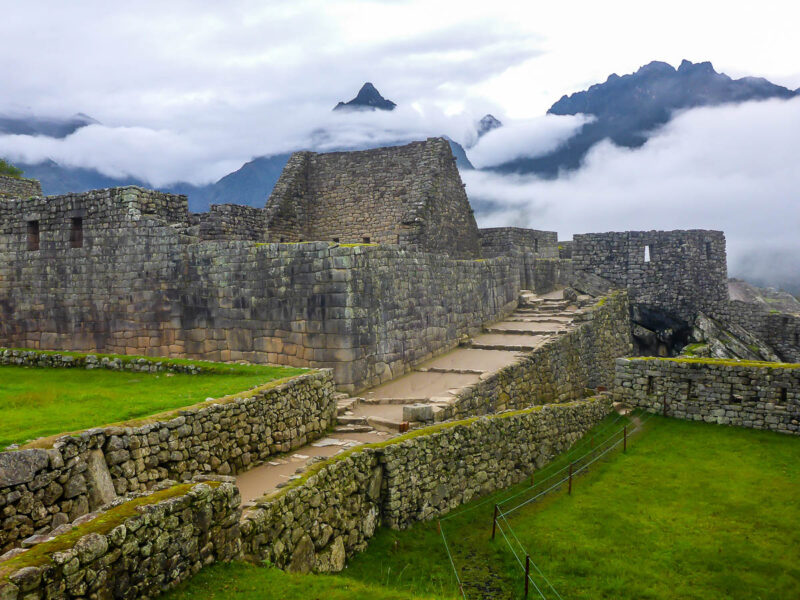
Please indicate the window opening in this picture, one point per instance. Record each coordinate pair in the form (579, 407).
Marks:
(366, 239)
(76, 233)
(33, 235)
(647, 253)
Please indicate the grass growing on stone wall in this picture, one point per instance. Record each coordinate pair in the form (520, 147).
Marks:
(727, 362)
(693, 510)
(40, 554)
(37, 402)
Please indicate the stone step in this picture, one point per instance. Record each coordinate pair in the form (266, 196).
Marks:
(384, 424)
(347, 403)
(351, 420)
(353, 429)
(371, 401)
(525, 331)
(507, 347)
(443, 370)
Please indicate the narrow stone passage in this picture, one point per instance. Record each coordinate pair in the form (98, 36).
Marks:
(419, 397)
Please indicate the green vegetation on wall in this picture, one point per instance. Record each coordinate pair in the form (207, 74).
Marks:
(9, 170)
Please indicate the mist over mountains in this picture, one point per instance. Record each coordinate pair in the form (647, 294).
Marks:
(583, 154)
(628, 109)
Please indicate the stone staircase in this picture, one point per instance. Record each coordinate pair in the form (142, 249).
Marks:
(422, 395)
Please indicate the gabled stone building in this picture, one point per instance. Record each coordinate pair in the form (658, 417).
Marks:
(408, 195)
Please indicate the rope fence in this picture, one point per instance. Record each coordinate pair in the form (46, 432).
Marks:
(581, 456)
(500, 515)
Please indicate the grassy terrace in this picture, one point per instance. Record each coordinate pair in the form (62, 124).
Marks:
(37, 402)
(692, 510)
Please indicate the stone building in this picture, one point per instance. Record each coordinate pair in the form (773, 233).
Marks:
(408, 195)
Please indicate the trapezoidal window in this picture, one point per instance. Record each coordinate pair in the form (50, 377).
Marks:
(708, 250)
(76, 233)
(33, 235)
(366, 239)
(536, 244)
(647, 253)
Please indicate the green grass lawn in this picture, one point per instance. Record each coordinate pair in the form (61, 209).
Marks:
(36, 402)
(242, 581)
(692, 510)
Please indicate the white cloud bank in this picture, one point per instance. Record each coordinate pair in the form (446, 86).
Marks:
(733, 168)
(525, 138)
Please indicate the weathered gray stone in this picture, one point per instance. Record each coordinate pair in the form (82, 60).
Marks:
(98, 480)
(21, 466)
(303, 557)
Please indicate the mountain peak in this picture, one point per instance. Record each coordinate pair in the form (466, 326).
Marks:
(487, 123)
(368, 98)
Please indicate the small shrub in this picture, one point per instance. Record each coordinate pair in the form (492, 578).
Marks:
(9, 170)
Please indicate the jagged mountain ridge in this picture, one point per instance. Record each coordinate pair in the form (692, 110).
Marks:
(628, 108)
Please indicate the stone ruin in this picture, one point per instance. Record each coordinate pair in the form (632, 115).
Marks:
(364, 262)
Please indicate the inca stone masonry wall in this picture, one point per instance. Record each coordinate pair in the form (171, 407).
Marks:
(13, 187)
(409, 195)
(756, 395)
(141, 283)
(41, 489)
(780, 331)
(36, 358)
(559, 371)
(230, 222)
(333, 513)
(686, 271)
(145, 545)
(502, 241)
(136, 550)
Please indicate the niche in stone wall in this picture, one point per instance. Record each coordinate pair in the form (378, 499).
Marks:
(33, 235)
(536, 244)
(708, 250)
(366, 239)
(76, 233)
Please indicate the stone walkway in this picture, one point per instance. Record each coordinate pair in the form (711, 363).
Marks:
(388, 409)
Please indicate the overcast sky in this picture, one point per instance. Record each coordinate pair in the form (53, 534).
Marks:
(191, 90)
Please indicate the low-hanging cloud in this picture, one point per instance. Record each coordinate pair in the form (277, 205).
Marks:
(203, 155)
(730, 167)
(526, 138)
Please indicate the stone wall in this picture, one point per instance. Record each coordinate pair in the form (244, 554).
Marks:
(136, 549)
(542, 275)
(43, 488)
(686, 270)
(429, 476)
(756, 395)
(501, 241)
(17, 187)
(140, 284)
(332, 514)
(409, 195)
(535, 252)
(231, 222)
(780, 331)
(37, 358)
(559, 371)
